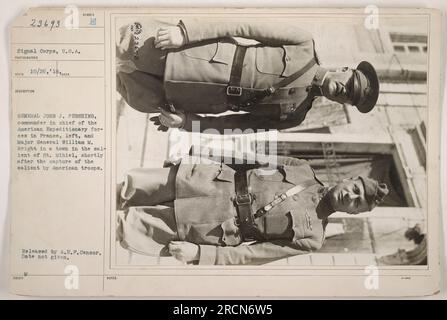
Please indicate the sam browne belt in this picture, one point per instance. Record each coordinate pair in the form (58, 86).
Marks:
(235, 93)
(243, 203)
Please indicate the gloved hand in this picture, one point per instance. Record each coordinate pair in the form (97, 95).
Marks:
(168, 119)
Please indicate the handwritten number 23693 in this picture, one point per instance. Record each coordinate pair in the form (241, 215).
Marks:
(45, 23)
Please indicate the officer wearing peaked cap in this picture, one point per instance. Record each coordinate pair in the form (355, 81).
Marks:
(206, 213)
(203, 66)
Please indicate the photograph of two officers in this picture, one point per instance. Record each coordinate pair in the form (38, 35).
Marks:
(220, 75)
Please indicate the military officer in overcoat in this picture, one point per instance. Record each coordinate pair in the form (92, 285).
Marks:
(234, 214)
(203, 66)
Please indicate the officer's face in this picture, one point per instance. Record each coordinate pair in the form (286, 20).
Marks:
(338, 85)
(349, 196)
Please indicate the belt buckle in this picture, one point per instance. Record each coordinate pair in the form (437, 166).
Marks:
(234, 91)
(243, 199)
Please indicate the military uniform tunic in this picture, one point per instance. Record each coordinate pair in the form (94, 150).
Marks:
(203, 213)
(195, 77)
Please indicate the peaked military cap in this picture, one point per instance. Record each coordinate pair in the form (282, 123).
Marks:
(365, 87)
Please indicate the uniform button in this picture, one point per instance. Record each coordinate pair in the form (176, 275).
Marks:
(292, 91)
(288, 59)
(295, 197)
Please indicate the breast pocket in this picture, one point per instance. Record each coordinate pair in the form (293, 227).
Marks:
(303, 224)
(224, 173)
(270, 60)
(296, 57)
(215, 52)
(203, 52)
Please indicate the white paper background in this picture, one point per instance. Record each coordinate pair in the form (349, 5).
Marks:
(9, 10)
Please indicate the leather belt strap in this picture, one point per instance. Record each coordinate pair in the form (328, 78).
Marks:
(243, 203)
(282, 197)
(234, 89)
(286, 81)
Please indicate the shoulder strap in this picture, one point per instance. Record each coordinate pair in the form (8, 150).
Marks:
(234, 90)
(282, 197)
(285, 82)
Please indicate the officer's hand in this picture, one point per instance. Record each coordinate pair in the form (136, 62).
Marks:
(169, 38)
(184, 251)
(168, 119)
(156, 121)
